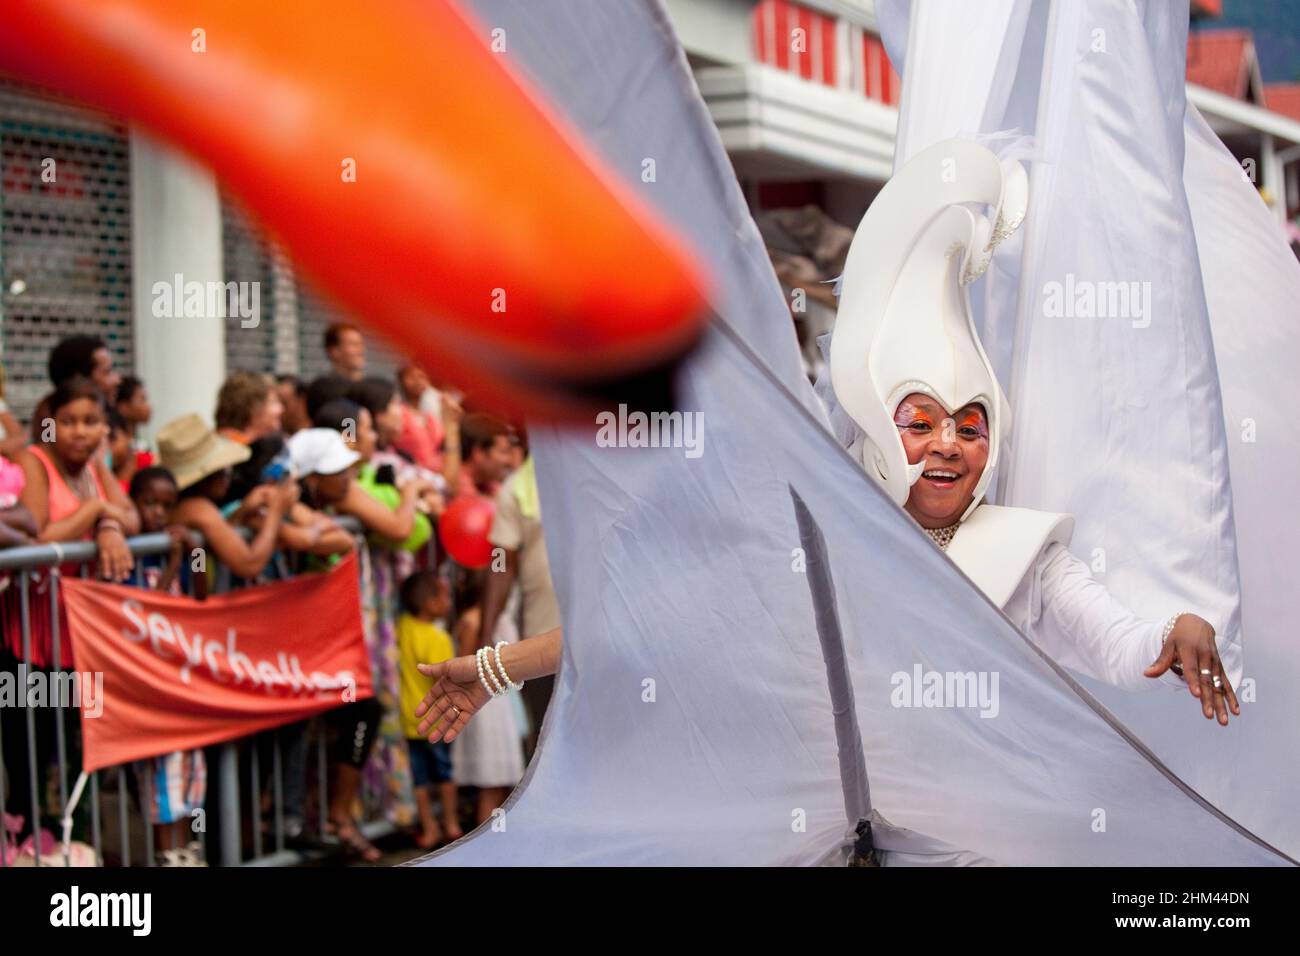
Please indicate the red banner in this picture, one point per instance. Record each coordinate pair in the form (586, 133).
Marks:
(180, 673)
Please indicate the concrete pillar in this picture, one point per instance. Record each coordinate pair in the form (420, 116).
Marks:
(176, 230)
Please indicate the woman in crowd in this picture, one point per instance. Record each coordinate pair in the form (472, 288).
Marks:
(201, 463)
(248, 408)
(304, 529)
(421, 433)
(395, 512)
(390, 512)
(306, 539)
(379, 397)
(70, 496)
(324, 464)
(429, 433)
(69, 492)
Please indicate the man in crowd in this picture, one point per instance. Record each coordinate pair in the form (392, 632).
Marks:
(485, 454)
(346, 350)
(517, 531)
(84, 355)
(293, 396)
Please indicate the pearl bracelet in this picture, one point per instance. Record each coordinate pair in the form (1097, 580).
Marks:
(1170, 625)
(485, 672)
(491, 674)
(502, 667)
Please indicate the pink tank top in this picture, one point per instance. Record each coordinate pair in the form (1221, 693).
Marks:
(63, 500)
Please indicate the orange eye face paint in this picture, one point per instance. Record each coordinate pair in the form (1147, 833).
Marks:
(970, 423)
(909, 414)
(973, 424)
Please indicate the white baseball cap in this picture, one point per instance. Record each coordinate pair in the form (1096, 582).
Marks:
(320, 451)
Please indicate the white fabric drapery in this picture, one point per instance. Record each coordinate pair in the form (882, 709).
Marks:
(693, 720)
(1143, 427)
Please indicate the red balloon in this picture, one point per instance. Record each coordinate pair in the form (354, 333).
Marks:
(464, 527)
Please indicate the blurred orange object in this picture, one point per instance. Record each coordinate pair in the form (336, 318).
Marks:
(410, 173)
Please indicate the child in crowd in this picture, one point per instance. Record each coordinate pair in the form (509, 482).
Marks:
(174, 785)
(132, 403)
(120, 453)
(489, 752)
(420, 639)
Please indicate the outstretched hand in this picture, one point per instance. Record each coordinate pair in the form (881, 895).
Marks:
(457, 694)
(1191, 653)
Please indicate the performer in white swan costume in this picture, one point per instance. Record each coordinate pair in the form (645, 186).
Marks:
(907, 366)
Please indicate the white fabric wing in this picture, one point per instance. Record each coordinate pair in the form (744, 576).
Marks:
(753, 631)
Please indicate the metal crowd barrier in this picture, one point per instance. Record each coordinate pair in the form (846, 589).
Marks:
(226, 775)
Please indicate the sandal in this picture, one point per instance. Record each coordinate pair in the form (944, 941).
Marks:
(353, 840)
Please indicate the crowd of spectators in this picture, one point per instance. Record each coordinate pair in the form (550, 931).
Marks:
(261, 489)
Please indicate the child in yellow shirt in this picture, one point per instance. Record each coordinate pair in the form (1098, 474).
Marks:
(425, 599)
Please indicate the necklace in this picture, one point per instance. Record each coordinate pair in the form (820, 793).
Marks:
(942, 536)
(83, 485)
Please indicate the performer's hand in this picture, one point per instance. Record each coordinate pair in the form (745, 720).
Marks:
(1191, 646)
(455, 697)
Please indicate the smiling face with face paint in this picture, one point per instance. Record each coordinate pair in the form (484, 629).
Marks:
(955, 449)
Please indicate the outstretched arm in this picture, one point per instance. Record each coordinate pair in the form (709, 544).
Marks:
(458, 694)
(1083, 626)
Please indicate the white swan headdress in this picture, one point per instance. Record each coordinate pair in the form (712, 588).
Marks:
(904, 321)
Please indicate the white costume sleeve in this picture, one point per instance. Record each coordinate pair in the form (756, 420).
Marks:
(1071, 616)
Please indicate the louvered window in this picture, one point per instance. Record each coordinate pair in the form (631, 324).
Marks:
(65, 236)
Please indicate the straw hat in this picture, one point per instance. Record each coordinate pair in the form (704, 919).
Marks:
(192, 451)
